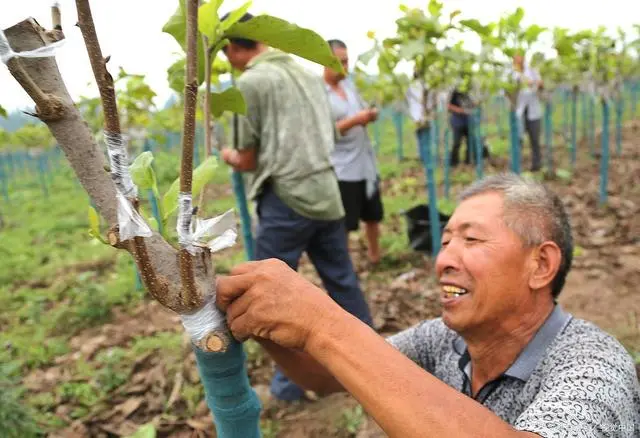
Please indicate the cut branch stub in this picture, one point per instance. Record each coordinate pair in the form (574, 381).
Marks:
(88, 163)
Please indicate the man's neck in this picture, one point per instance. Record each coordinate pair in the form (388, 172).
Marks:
(259, 50)
(492, 353)
(333, 83)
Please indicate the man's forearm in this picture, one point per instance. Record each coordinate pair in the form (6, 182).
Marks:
(404, 399)
(302, 368)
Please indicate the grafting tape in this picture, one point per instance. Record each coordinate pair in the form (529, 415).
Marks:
(183, 227)
(202, 322)
(118, 160)
(130, 223)
(7, 53)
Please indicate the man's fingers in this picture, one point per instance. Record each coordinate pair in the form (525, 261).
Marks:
(246, 267)
(240, 328)
(239, 306)
(228, 288)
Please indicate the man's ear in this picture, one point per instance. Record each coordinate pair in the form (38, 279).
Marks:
(546, 259)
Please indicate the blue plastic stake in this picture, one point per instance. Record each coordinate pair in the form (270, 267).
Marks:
(574, 128)
(42, 176)
(398, 123)
(447, 162)
(245, 217)
(548, 133)
(424, 141)
(436, 138)
(619, 114)
(155, 209)
(476, 118)
(565, 121)
(592, 127)
(584, 109)
(4, 181)
(376, 135)
(604, 159)
(634, 99)
(515, 142)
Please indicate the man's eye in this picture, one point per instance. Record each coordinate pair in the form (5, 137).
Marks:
(470, 239)
(445, 243)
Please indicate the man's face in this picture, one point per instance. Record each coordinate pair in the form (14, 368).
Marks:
(482, 267)
(238, 56)
(343, 57)
(518, 61)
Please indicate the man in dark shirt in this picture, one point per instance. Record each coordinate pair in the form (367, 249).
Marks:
(460, 108)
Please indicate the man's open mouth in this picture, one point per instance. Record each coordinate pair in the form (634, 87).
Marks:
(453, 291)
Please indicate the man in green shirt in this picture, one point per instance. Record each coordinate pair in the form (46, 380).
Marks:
(284, 144)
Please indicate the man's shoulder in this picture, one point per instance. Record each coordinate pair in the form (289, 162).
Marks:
(263, 76)
(583, 343)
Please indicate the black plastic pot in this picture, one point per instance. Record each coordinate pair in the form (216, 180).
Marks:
(418, 227)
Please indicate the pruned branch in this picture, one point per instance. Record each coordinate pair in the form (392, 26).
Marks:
(188, 140)
(112, 126)
(99, 67)
(56, 16)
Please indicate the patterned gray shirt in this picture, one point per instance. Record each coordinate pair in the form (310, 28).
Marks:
(572, 379)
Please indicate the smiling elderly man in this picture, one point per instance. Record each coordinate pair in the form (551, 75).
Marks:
(503, 360)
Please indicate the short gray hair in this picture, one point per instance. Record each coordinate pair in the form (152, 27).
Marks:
(534, 213)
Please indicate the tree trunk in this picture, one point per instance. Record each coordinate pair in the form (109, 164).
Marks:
(88, 162)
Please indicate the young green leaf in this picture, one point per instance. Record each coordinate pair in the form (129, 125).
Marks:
(208, 18)
(476, 26)
(288, 37)
(366, 57)
(176, 26)
(235, 15)
(142, 173)
(153, 223)
(411, 49)
(3, 112)
(435, 7)
(454, 14)
(94, 225)
(201, 176)
(532, 33)
(229, 100)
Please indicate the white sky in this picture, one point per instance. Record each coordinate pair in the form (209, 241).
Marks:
(130, 30)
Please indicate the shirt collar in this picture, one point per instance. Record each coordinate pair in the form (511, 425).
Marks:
(267, 55)
(532, 354)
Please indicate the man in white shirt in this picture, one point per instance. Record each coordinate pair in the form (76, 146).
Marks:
(529, 108)
(353, 158)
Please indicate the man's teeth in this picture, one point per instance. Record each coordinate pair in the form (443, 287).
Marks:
(453, 291)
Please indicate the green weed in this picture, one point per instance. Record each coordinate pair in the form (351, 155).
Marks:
(269, 428)
(351, 420)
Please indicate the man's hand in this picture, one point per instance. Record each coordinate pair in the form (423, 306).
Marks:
(242, 161)
(366, 116)
(269, 300)
(229, 156)
(373, 114)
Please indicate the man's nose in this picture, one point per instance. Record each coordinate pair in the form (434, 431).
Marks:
(449, 257)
